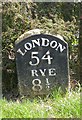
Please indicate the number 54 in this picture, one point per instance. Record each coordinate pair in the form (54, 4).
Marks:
(46, 56)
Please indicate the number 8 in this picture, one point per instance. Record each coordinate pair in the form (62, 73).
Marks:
(36, 85)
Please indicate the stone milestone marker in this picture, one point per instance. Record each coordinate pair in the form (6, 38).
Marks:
(42, 64)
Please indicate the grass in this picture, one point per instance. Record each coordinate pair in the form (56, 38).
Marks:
(55, 106)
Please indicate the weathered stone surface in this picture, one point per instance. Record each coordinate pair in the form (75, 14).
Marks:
(42, 64)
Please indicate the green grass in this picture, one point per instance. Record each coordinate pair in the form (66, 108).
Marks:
(56, 106)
